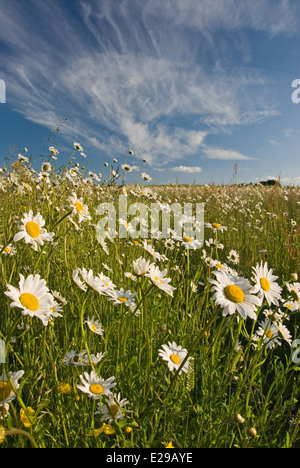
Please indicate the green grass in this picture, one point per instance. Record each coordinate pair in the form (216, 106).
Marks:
(195, 409)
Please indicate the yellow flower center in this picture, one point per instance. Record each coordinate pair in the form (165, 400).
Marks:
(265, 284)
(216, 225)
(122, 298)
(78, 206)
(96, 389)
(269, 334)
(7, 250)
(175, 358)
(157, 280)
(93, 327)
(113, 409)
(219, 265)
(234, 293)
(29, 301)
(5, 390)
(33, 229)
(187, 239)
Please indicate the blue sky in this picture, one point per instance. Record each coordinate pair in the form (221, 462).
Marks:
(191, 86)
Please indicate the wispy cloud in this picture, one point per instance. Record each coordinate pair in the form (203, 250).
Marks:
(187, 169)
(225, 154)
(151, 76)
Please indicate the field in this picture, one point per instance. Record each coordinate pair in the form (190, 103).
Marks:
(146, 343)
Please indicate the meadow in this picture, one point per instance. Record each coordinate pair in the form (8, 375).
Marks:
(146, 343)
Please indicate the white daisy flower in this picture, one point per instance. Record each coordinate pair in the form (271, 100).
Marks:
(9, 250)
(265, 284)
(32, 297)
(234, 294)
(233, 257)
(174, 355)
(158, 278)
(95, 386)
(79, 208)
(191, 243)
(294, 292)
(269, 332)
(95, 326)
(111, 409)
(78, 146)
(32, 230)
(122, 297)
(141, 266)
(216, 227)
(6, 392)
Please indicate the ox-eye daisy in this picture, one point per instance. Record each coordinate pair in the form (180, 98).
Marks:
(234, 294)
(95, 326)
(265, 284)
(111, 409)
(32, 230)
(94, 386)
(158, 278)
(32, 297)
(174, 355)
(6, 392)
(79, 208)
(122, 297)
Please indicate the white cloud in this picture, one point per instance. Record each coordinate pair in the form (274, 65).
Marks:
(224, 154)
(187, 169)
(125, 83)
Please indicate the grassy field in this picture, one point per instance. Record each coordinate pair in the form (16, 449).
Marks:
(141, 343)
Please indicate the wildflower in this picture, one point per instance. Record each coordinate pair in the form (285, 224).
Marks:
(233, 257)
(95, 326)
(76, 359)
(26, 418)
(234, 294)
(107, 429)
(4, 411)
(65, 388)
(146, 176)
(32, 230)
(126, 167)
(169, 444)
(79, 208)
(6, 392)
(158, 278)
(94, 386)
(214, 244)
(78, 146)
(252, 432)
(268, 331)
(216, 227)
(265, 284)
(111, 409)
(54, 151)
(141, 266)
(240, 419)
(122, 297)
(32, 297)
(82, 358)
(174, 355)
(190, 243)
(130, 275)
(9, 250)
(294, 292)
